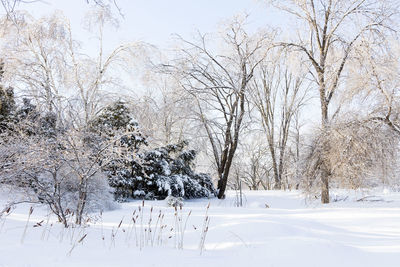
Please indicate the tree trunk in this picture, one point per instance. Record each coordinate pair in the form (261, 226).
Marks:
(280, 166)
(325, 186)
(223, 181)
(275, 169)
(82, 195)
(277, 179)
(324, 169)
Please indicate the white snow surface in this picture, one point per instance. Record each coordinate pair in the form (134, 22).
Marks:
(291, 232)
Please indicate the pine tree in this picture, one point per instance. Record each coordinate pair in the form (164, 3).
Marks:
(114, 121)
(167, 171)
(147, 174)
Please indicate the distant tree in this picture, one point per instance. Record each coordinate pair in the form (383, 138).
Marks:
(252, 165)
(165, 111)
(278, 93)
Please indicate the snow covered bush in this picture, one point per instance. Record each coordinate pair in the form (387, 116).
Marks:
(55, 166)
(99, 193)
(167, 171)
(159, 173)
(57, 173)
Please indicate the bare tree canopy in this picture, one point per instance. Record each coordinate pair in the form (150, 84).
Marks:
(219, 83)
(330, 31)
(278, 93)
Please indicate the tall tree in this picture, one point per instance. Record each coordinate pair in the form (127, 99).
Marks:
(329, 30)
(219, 81)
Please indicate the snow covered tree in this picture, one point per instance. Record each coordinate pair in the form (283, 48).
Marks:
(54, 166)
(156, 173)
(359, 154)
(167, 171)
(7, 102)
(218, 81)
(328, 33)
(117, 120)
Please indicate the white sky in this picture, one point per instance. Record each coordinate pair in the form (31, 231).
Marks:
(154, 21)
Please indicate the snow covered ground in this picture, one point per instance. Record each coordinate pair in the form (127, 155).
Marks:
(290, 232)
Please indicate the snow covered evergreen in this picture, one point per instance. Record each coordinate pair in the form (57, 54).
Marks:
(168, 171)
(135, 172)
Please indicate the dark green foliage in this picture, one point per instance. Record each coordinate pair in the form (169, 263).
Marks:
(32, 122)
(27, 110)
(152, 174)
(26, 118)
(114, 117)
(163, 172)
(7, 107)
(117, 119)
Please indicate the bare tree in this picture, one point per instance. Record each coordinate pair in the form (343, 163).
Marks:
(295, 153)
(10, 6)
(36, 62)
(44, 61)
(219, 84)
(106, 4)
(374, 83)
(331, 31)
(93, 78)
(278, 93)
(164, 111)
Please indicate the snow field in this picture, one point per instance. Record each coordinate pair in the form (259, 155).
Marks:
(291, 232)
